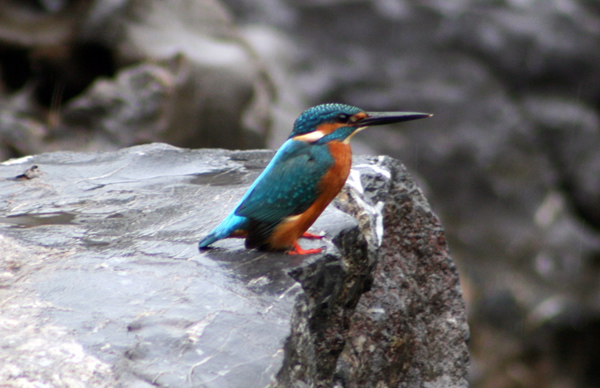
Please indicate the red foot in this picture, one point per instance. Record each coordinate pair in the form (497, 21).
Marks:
(312, 235)
(299, 251)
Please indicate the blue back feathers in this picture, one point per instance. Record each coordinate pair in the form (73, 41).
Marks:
(312, 117)
(289, 185)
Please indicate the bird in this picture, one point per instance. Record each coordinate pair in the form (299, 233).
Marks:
(304, 176)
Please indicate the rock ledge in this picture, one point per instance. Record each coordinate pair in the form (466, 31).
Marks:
(103, 285)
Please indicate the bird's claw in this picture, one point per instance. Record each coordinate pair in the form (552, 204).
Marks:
(312, 236)
(299, 251)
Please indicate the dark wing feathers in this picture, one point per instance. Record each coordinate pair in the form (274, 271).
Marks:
(258, 233)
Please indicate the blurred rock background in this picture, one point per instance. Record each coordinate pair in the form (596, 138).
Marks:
(510, 161)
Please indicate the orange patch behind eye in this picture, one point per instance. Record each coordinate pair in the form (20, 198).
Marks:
(358, 116)
(327, 128)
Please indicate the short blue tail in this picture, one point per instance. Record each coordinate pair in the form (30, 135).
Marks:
(230, 224)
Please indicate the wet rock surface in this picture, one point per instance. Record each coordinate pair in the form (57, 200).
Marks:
(102, 283)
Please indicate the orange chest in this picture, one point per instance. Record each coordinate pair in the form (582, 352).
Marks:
(334, 179)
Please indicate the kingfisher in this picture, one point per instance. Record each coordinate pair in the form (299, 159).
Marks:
(304, 176)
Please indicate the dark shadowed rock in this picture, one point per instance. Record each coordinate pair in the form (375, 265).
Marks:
(103, 286)
(98, 75)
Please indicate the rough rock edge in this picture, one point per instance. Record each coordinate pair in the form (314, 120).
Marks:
(332, 287)
(422, 336)
(399, 233)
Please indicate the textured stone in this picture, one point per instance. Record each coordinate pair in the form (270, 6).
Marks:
(406, 329)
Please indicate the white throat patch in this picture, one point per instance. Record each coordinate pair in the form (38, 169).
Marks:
(347, 140)
(310, 137)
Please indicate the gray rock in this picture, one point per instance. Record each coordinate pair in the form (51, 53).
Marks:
(103, 285)
(390, 337)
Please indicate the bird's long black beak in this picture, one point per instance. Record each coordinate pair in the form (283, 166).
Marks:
(381, 118)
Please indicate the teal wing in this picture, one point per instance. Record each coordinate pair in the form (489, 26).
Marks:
(287, 187)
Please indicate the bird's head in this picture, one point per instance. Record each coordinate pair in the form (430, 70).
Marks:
(329, 122)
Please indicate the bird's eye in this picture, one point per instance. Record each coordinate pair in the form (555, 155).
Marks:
(342, 118)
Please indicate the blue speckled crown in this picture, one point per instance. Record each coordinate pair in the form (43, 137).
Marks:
(310, 118)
